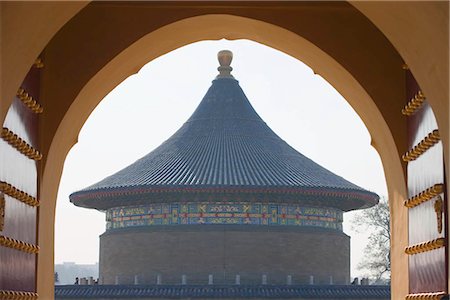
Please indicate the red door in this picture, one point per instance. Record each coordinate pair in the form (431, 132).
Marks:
(427, 202)
(19, 161)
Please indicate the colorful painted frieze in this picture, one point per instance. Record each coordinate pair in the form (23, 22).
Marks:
(224, 213)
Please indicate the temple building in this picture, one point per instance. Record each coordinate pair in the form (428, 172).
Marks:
(224, 201)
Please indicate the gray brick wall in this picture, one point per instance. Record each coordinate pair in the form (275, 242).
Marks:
(224, 251)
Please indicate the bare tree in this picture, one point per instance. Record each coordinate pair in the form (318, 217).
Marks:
(377, 260)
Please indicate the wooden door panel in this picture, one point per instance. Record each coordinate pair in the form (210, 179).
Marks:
(426, 199)
(17, 169)
(22, 122)
(427, 272)
(20, 221)
(426, 171)
(19, 159)
(18, 270)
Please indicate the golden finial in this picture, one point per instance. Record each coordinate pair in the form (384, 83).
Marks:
(225, 57)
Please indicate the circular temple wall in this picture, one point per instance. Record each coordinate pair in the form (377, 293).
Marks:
(224, 251)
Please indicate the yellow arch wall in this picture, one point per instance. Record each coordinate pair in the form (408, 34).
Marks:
(419, 32)
(26, 28)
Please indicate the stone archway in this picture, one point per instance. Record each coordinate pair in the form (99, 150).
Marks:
(269, 25)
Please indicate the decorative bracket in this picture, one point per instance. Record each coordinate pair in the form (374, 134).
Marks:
(425, 247)
(18, 245)
(21, 146)
(12, 191)
(29, 101)
(429, 141)
(426, 296)
(18, 295)
(438, 208)
(414, 104)
(424, 196)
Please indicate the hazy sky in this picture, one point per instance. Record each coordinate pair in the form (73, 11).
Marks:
(148, 107)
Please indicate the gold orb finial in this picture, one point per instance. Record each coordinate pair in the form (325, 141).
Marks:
(225, 57)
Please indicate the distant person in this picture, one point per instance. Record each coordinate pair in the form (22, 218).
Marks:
(76, 281)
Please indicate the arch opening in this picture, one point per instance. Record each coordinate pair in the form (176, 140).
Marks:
(285, 101)
(214, 27)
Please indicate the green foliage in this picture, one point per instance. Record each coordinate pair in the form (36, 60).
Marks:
(377, 261)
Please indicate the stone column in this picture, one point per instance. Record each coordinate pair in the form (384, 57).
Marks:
(158, 279)
(210, 279)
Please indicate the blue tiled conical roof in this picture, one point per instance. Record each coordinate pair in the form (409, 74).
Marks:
(224, 150)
